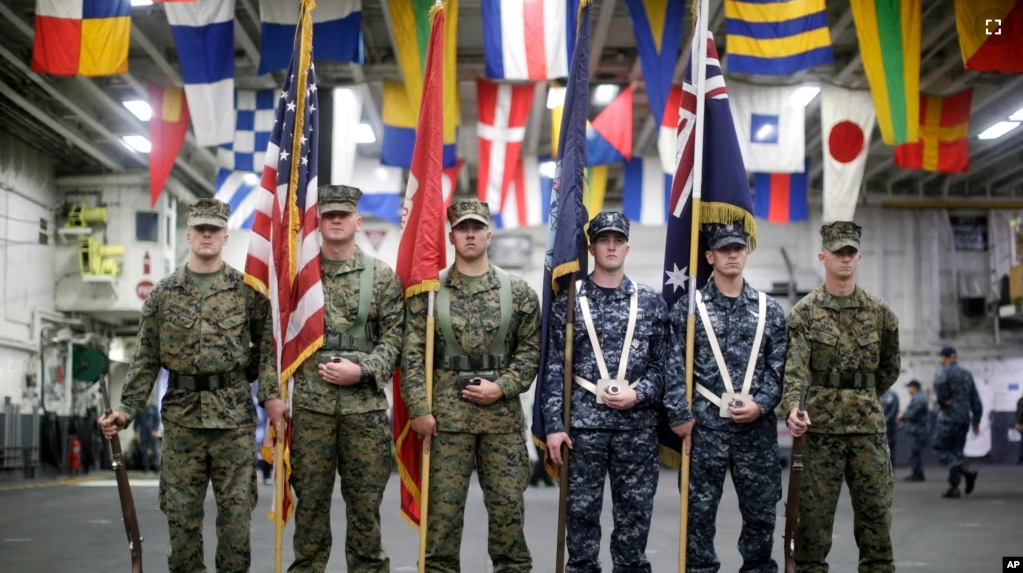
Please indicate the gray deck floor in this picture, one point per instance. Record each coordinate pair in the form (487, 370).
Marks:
(77, 528)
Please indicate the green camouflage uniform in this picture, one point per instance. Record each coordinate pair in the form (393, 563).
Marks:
(844, 353)
(192, 331)
(485, 438)
(344, 429)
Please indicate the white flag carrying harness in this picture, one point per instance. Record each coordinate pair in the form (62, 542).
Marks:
(605, 380)
(751, 366)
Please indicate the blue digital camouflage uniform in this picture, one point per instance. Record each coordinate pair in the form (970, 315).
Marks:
(622, 443)
(915, 420)
(343, 430)
(959, 407)
(890, 407)
(194, 332)
(843, 353)
(749, 451)
(485, 438)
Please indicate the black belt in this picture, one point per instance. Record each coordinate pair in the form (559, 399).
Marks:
(335, 341)
(846, 380)
(474, 362)
(203, 382)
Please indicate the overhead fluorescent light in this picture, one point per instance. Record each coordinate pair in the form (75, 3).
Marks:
(604, 94)
(1018, 116)
(141, 2)
(804, 95)
(141, 109)
(138, 143)
(548, 169)
(555, 97)
(364, 134)
(999, 129)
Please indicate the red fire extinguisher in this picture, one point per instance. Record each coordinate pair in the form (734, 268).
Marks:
(74, 455)
(145, 264)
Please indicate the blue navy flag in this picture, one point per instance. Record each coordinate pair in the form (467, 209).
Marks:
(725, 194)
(566, 241)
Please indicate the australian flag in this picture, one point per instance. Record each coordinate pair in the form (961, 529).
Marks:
(724, 191)
(566, 242)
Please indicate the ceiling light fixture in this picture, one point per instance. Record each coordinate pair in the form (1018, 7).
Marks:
(548, 169)
(604, 94)
(555, 97)
(138, 143)
(999, 129)
(141, 109)
(364, 134)
(1018, 116)
(141, 2)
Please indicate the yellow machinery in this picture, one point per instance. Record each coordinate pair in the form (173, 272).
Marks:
(98, 260)
(82, 215)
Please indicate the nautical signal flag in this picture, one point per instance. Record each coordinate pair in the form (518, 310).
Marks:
(411, 23)
(847, 120)
(609, 136)
(528, 40)
(81, 37)
(167, 130)
(646, 191)
(770, 127)
(502, 110)
(944, 144)
(337, 32)
(991, 34)
(781, 197)
(667, 138)
(889, 37)
(776, 37)
(658, 26)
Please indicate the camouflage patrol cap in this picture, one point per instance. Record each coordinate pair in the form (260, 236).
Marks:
(211, 212)
(468, 209)
(841, 234)
(331, 198)
(720, 235)
(609, 221)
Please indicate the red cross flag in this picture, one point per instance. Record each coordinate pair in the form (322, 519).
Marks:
(503, 110)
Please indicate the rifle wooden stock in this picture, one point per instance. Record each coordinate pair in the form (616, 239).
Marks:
(792, 502)
(131, 522)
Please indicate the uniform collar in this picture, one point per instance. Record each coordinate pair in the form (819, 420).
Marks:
(456, 280)
(226, 280)
(711, 293)
(858, 299)
(624, 290)
(356, 262)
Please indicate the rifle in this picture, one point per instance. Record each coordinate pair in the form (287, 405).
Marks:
(792, 502)
(131, 522)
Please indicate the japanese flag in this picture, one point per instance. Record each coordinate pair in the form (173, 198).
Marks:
(847, 120)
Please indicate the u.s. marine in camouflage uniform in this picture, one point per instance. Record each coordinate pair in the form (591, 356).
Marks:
(741, 439)
(339, 416)
(476, 421)
(209, 330)
(617, 436)
(843, 353)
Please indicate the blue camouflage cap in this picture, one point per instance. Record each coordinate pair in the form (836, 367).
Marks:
(720, 235)
(609, 221)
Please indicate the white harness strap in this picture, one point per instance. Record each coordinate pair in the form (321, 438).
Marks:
(751, 365)
(630, 331)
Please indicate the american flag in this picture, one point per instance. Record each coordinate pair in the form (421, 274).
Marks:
(283, 261)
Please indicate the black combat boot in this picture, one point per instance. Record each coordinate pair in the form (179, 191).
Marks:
(952, 493)
(971, 480)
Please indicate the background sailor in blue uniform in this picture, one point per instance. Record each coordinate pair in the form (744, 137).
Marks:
(741, 438)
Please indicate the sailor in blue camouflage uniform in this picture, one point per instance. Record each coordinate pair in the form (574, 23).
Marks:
(958, 401)
(915, 420)
(739, 364)
(890, 407)
(613, 424)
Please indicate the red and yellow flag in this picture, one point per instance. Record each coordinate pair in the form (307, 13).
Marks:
(943, 146)
(167, 129)
(991, 34)
(422, 252)
(75, 38)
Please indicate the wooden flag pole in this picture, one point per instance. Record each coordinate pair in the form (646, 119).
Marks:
(702, 36)
(566, 417)
(424, 499)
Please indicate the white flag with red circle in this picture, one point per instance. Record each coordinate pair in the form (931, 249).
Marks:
(847, 120)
